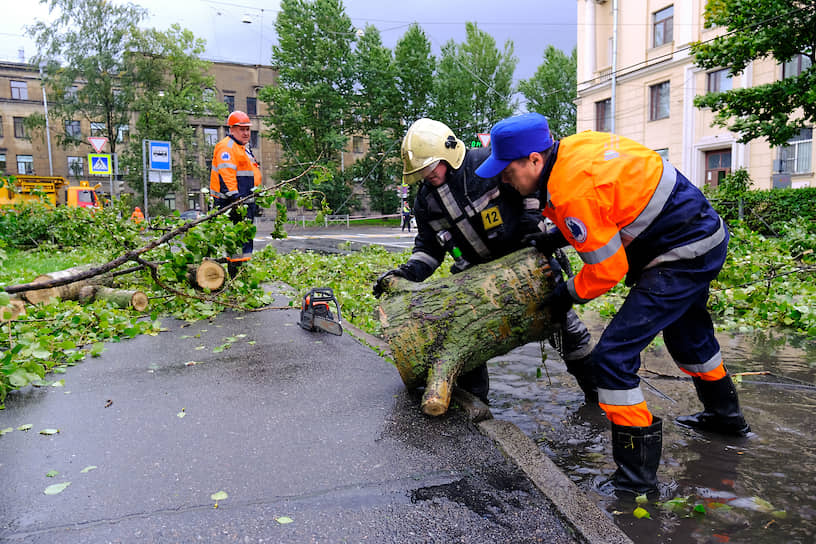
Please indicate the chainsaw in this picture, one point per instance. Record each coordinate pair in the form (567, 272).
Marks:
(316, 314)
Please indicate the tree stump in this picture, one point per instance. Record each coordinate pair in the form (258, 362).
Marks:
(439, 329)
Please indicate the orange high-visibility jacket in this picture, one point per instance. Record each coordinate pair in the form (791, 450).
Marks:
(234, 170)
(624, 209)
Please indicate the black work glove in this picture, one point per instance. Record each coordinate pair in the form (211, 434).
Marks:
(558, 303)
(546, 242)
(379, 286)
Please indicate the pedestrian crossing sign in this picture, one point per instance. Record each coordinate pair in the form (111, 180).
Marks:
(99, 164)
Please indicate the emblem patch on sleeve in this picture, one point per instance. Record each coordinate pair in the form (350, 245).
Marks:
(225, 156)
(577, 229)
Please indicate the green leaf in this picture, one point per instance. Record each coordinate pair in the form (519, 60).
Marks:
(641, 499)
(6, 431)
(49, 432)
(55, 489)
(283, 520)
(700, 508)
(641, 513)
(25, 427)
(97, 349)
(88, 469)
(51, 473)
(219, 496)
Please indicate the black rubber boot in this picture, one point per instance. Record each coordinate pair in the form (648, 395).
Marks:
(721, 412)
(636, 451)
(582, 370)
(476, 382)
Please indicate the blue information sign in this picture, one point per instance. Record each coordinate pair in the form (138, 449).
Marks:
(158, 154)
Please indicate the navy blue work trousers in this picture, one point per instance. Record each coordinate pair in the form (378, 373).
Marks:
(670, 297)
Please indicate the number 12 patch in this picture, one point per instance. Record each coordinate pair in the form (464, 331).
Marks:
(491, 218)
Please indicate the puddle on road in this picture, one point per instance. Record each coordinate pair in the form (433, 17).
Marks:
(766, 482)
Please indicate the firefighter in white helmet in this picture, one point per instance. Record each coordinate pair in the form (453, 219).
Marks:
(475, 220)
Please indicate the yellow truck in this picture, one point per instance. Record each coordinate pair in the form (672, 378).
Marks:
(54, 189)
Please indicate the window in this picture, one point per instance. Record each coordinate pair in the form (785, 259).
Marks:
(229, 100)
(795, 158)
(718, 81)
(662, 26)
(2, 163)
(659, 101)
(211, 135)
(252, 106)
(253, 138)
(19, 128)
(664, 153)
(122, 133)
(19, 90)
(796, 66)
(72, 130)
(170, 201)
(71, 93)
(98, 129)
(603, 115)
(25, 164)
(208, 95)
(76, 166)
(357, 144)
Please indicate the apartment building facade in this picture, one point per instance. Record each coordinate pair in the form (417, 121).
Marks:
(637, 78)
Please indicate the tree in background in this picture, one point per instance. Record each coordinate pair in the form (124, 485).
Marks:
(474, 83)
(310, 109)
(553, 89)
(378, 111)
(169, 81)
(782, 29)
(415, 67)
(86, 42)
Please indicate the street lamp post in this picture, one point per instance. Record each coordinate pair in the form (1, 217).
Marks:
(47, 128)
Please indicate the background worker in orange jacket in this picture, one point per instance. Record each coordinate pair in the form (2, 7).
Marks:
(629, 213)
(234, 174)
(137, 216)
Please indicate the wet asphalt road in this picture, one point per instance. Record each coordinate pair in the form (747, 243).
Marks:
(290, 424)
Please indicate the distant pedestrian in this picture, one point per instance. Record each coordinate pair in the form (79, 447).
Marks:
(406, 216)
(137, 216)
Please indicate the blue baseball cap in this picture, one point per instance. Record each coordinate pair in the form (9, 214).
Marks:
(514, 138)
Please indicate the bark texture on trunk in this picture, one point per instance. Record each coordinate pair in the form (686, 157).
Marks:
(121, 298)
(441, 328)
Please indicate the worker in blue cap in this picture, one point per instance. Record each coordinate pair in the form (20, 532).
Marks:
(629, 213)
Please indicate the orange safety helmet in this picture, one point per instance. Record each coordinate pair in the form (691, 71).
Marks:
(238, 118)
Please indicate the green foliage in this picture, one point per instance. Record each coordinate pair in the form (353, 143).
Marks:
(310, 105)
(169, 80)
(473, 84)
(86, 41)
(415, 67)
(780, 29)
(767, 212)
(553, 89)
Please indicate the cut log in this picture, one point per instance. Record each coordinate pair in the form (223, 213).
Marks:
(12, 310)
(122, 298)
(439, 329)
(207, 275)
(64, 292)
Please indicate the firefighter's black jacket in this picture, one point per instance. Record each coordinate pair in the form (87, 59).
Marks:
(486, 218)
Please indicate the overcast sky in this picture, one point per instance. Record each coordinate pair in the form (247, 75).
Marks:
(530, 24)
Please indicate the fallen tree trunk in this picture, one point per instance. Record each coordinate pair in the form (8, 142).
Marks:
(68, 291)
(15, 308)
(442, 328)
(121, 298)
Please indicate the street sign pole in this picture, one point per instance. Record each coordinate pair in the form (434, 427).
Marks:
(144, 171)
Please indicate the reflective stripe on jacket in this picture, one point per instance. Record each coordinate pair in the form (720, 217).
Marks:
(234, 170)
(624, 209)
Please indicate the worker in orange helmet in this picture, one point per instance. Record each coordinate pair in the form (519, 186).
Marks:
(235, 172)
(629, 213)
(137, 216)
